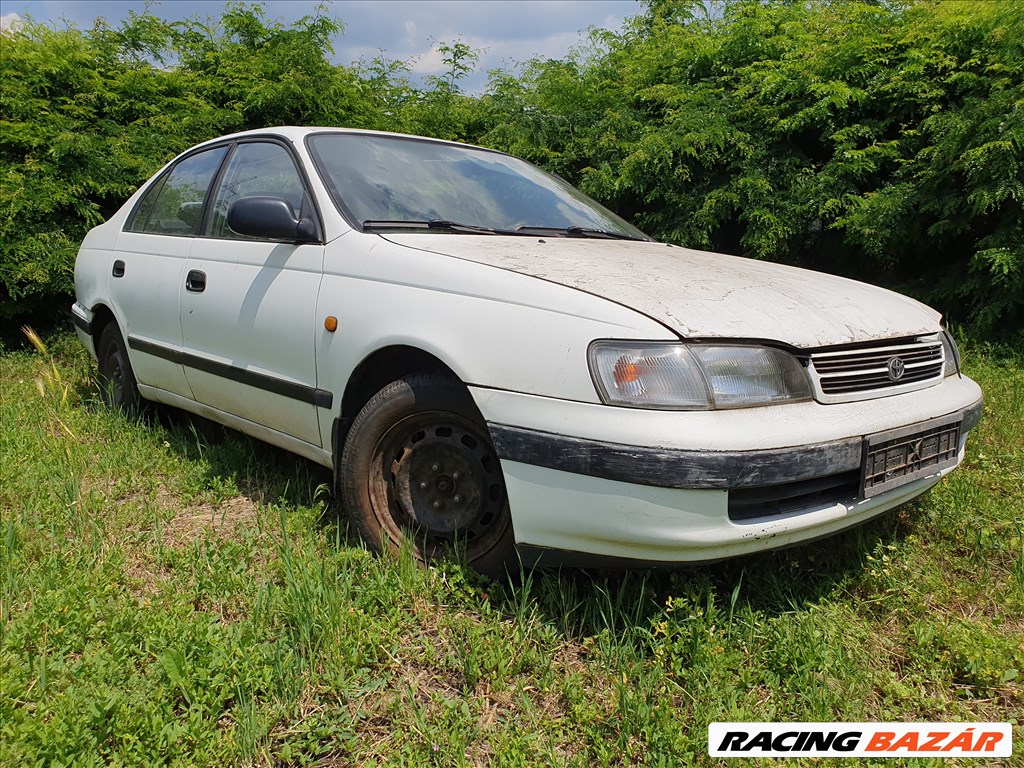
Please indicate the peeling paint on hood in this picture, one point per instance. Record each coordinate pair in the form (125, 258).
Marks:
(701, 294)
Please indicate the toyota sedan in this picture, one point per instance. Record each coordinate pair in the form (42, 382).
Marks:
(496, 367)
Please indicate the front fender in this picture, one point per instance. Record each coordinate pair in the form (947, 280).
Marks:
(494, 328)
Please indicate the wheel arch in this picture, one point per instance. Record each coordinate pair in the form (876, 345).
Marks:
(418, 466)
(102, 317)
(376, 371)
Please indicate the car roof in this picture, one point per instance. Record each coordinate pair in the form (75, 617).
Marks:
(296, 133)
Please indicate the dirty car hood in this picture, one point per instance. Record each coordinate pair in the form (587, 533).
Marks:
(700, 294)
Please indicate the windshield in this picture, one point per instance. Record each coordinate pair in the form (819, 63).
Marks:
(382, 179)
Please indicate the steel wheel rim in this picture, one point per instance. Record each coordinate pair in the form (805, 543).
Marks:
(436, 479)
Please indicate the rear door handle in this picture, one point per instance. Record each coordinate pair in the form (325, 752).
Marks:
(118, 270)
(196, 281)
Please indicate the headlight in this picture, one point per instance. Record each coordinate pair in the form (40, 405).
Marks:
(951, 353)
(690, 376)
(742, 376)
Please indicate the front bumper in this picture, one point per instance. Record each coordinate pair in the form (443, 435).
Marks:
(682, 492)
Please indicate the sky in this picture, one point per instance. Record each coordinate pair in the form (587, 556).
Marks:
(504, 31)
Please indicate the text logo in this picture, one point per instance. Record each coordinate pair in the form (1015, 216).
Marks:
(860, 740)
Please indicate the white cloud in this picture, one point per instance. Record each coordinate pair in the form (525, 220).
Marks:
(412, 38)
(503, 33)
(498, 54)
(429, 62)
(10, 21)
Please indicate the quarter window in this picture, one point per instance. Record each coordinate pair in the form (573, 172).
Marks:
(256, 169)
(174, 205)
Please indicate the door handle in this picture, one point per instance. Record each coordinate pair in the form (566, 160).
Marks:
(118, 270)
(196, 281)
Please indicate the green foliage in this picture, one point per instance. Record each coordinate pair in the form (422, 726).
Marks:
(883, 141)
(82, 122)
(86, 116)
(268, 74)
(172, 593)
(442, 110)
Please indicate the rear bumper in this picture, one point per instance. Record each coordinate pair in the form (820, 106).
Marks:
(584, 499)
(82, 318)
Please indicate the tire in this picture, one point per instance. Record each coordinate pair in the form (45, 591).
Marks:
(418, 466)
(118, 387)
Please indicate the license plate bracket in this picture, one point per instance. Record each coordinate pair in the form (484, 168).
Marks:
(903, 455)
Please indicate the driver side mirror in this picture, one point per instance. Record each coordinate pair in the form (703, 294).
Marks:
(270, 217)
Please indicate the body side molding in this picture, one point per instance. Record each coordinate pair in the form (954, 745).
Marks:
(302, 392)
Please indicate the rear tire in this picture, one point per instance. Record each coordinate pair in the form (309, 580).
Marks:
(118, 387)
(418, 466)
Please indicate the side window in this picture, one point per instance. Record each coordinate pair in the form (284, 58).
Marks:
(258, 168)
(174, 206)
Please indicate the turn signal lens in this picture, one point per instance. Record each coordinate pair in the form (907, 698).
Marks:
(648, 375)
(951, 353)
(626, 373)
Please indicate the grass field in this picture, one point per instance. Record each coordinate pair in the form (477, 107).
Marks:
(177, 594)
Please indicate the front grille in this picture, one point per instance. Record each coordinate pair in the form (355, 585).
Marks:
(864, 372)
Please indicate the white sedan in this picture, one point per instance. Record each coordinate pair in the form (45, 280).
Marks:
(495, 366)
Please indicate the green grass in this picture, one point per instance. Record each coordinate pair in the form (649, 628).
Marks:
(177, 594)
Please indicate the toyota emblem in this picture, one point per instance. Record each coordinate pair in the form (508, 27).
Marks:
(896, 368)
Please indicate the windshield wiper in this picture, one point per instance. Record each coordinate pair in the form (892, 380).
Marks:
(575, 231)
(372, 225)
(445, 224)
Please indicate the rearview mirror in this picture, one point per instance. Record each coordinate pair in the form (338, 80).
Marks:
(269, 217)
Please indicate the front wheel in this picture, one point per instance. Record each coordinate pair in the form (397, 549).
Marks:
(418, 466)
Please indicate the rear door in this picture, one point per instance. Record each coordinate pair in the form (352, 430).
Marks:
(248, 306)
(148, 266)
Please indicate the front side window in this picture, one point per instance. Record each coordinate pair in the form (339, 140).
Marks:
(256, 169)
(174, 205)
(380, 179)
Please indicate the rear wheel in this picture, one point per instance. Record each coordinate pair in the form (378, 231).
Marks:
(418, 467)
(118, 387)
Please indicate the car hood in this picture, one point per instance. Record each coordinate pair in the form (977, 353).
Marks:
(700, 294)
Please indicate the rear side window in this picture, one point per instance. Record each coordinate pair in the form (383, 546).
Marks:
(174, 205)
(256, 169)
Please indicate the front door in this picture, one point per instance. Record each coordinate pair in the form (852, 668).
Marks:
(247, 305)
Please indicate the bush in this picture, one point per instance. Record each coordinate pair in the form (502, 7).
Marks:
(87, 116)
(882, 141)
